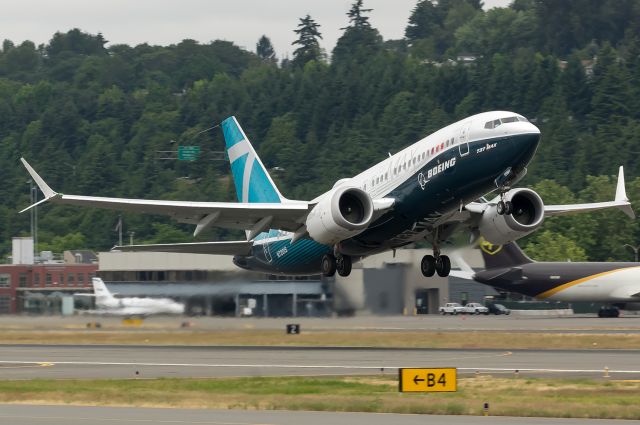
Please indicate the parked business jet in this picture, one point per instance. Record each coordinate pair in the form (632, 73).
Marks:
(507, 268)
(423, 192)
(107, 303)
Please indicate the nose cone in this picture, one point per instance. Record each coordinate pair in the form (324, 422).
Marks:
(526, 138)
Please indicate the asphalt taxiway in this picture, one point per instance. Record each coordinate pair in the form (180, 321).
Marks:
(72, 415)
(126, 361)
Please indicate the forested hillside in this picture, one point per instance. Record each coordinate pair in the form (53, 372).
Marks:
(93, 118)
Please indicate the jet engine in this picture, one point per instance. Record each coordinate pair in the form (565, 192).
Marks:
(343, 213)
(527, 216)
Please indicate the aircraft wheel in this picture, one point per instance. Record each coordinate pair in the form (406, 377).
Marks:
(328, 265)
(343, 265)
(428, 265)
(443, 266)
(500, 207)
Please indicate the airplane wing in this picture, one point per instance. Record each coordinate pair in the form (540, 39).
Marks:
(256, 216)
(620, 202)
(222, 248)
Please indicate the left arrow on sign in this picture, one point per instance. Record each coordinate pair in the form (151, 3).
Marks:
(416, 380)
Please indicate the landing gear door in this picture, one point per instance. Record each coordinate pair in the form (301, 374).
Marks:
(463, 139)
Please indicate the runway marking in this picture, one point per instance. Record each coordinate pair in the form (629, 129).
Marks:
(155, 421)
(25, 366)
(295, 366)
(481, 356)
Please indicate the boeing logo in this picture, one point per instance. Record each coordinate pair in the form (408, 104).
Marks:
(432, 172)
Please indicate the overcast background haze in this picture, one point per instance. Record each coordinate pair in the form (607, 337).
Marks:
(165, 22)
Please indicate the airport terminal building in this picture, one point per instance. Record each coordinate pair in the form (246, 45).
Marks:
(384, 284)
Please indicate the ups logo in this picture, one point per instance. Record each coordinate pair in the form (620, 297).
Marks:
(489, 248)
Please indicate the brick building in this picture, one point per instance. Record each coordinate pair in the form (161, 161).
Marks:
(31, 287)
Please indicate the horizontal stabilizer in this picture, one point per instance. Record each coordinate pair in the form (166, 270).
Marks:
(462, 274)
(220, 248)
(465, 272)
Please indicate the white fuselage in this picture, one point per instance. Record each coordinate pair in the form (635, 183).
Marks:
(622, 285)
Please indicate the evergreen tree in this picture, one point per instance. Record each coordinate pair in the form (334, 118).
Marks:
(265, 50)
(359, 39)
(309, 46)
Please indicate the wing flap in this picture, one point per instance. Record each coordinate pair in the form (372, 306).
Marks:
(220, 248)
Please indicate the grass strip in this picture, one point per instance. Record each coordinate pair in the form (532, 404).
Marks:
(409, 339)
(574, 398)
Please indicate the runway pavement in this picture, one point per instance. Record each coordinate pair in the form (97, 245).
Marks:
(568, 324)
(72, 415)
(75, 361)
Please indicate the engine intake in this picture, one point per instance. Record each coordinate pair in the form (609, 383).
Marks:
(343, 213)
(527, 216)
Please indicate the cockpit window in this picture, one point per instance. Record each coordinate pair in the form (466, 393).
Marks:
(496, 123)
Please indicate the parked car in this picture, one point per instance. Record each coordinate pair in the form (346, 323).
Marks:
(475, 308)
(451, 308)
(498, 309)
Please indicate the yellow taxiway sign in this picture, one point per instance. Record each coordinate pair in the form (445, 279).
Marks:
(427, 380)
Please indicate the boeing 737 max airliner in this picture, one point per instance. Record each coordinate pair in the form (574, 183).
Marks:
(422, 192)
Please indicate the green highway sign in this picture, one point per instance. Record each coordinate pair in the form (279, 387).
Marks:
(188, 153)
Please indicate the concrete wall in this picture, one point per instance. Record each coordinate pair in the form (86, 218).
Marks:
(124, 261)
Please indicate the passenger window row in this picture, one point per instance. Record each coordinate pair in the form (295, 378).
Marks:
(416, 159)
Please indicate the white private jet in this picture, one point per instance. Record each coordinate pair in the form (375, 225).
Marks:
(422, 192)
(107, 303)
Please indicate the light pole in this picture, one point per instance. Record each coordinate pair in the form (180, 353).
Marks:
(33, 198)
(635, 250)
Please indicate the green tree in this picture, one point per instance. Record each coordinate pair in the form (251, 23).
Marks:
(554, 247)
(307, 42)
(59, 244)
(265, 51)
(359, 39)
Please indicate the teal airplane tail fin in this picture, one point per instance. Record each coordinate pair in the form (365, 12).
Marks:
(252, 181)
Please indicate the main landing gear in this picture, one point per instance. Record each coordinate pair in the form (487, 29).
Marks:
(332, 263)
(437, 263)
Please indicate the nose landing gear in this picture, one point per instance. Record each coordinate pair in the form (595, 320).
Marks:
(504, 208)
